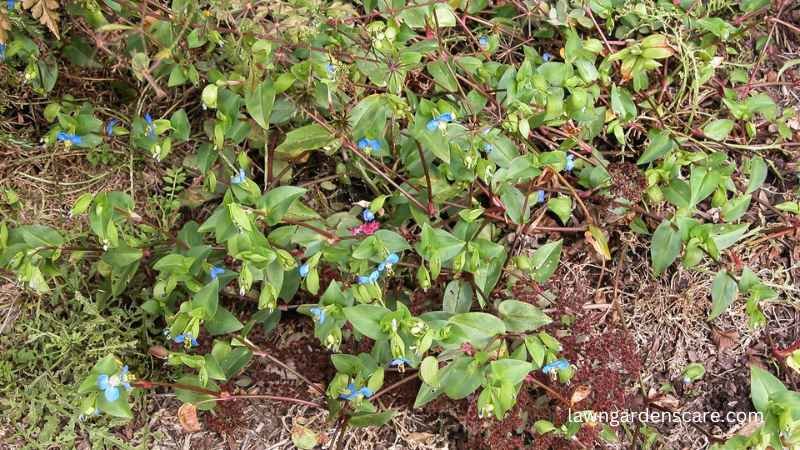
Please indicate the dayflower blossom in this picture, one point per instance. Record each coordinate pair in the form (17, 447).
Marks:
(367, 229)
(540, 196)
(69, 137)
(330, 68)
(368, 215)
(319, 314)
(216, 272)
(570, 163)
(483, 41)
(110, 127)
(354, 392)
(369, 144)
(399, 362)
(376, 274)
(558, 364)
(547, 56)
(239, 177)
(363, 280)
(392, 258)
(187, 337)
(440, 121)
(488, 148)
(303, 270)
(110, 384)
(151, 127)
(2, 51)
(10, 4)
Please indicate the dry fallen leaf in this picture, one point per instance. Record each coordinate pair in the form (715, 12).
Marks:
(725, 339)
(581, 392)
(420, 437)
(187, 416)
(304, 438)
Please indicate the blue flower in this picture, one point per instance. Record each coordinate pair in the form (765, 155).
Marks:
(363, 280)
(215, 272)
(10, 4)
(369, 144)
(151, 127)
(382, 266)
(483, 41)
(399, 362)
(69, 137)
(239, 177)
(368, 215)
(330, 68)
(547, 56)
(374, 276)
(123, 378)
(570, 163)
(558, 364)
(303, 270)
(488, 148)
(2, 51)
(446, 117)
(352, 392)
(539, 196)
(110, 126)
(319, 314)
(182, 338)
(108, 384)
(392, 258)
(365, 391)
(432, 125)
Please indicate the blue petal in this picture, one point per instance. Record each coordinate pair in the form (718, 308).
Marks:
(303, 270)
(365, 391)
(392, 258)
(375, 144)
(483, 41)
(179, 339)
(194, 342)
(558, 364)
(2, 51)
(488, 148)
(399, 362)
(540, 196)
(382, 266)
(110, 126)
(111, 393)
(216, 272)
(10, 4)
(102, 381)
(330, 68)
(363, 143)
(319, 314)
(446, 117)
(368, 215)
(432, 125)
(374, 276)
(570, 163)
(363, 280)
(547, 56)
(148, 118)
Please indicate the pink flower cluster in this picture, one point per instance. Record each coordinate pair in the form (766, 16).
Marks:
(367, 229)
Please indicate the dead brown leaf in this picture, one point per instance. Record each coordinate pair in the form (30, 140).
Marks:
(725, 340)
(580, 393)
(187, 416)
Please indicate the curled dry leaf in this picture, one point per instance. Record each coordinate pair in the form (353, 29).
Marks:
(580, 393)
(46, 11)
(187, 416)
(303, 437)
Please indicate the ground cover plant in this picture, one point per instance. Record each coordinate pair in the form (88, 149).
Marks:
(409, 224)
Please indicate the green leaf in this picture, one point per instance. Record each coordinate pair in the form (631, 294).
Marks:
(460, 378)
(758, 173)
(719, 129)
(723, 293)
(259, 102)
(545, 260)
(442, 75)
(366, 319)
(303, 139)
(660, 144)
(181, 129)
(665, 247)
(478, 327)
(429, 370)
(561, 206)
(207, 298)
(763, 385)
(277, 201)
(223, 322)
(371, 419)
(521, 317)
(457, 297)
